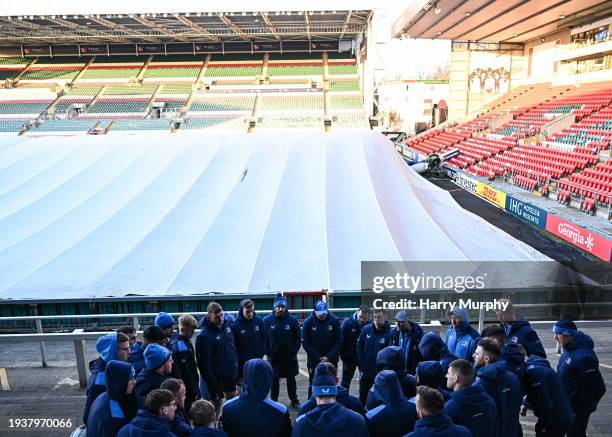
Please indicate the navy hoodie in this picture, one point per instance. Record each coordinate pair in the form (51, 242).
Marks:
(520, 331)
(430, 374)
(514, 359)
(350, 328)
(392, 358)
(180, 425)
(204, 431)
(503, 387)
(395, 416)
(330, 420)
(438, 426)
(146, 424)
(433, 348)
(113, 408)
(253, 413)
(184, 365)
(321, 339)
(250, 338)
(283, 343)
(371, 340)
(96, 384)
(473, 408)
(147, 381)
(578, 369)
(409, 342)
(462, 342)
(545, 394)
(136, 356)
(216, 356)
(343, 397)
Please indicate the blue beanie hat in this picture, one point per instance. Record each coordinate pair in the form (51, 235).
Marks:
(280, 301)
(164, 320)
(320, 308)
(462, 313)
(324, 382)
(566, 327)
(155, 356)
(106, 346)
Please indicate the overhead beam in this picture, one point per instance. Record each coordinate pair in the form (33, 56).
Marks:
(130, 32)
(161, 29)
(85, 29)
(196, 27)
(346, 23)
(271, 27)
(232, 26)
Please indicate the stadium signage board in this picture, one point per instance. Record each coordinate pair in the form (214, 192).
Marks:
(237, 47)
(36, 51)
(531, 213)
(580, 237)
(321, 46)
(208, 47)
(466, 182)
(491, 194)
(267, 46)
(99, 49)
(150, 49)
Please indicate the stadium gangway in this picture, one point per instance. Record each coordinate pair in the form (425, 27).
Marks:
(78, 336)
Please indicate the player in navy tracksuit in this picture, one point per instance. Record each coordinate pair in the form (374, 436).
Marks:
(249, 334)
(501, 385)
(115, 407)
(547, 398)
(166, 322)
(520, 331)
(183, 355)
(204, 420)
(373, 338)
(512, 354)
(392, 358)
(179, 424)
(433, 348)
(461, 338)
(578, 369)
(154, 419)
(253, 412)
(153, 334)
(321, 338)
(115, 346)
(432, 420)
(158, 361)
(283, 343)
(430, 374)
(469, 405)
(216, 357)
(395, 416)
(342, 397)
(407, 335)
(330, 418)
(351, 328)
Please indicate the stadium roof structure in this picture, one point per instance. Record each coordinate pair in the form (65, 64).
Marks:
(193, 213)
(177, 21)
(508, 21)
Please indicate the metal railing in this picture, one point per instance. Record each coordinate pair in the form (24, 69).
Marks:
(78, 336)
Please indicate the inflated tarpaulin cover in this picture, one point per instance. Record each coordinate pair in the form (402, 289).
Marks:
(93, 216)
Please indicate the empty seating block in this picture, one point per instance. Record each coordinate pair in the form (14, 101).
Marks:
(11, 125)
(347, 85)
(336, 69)
(346, 102)
(62, 106)
(291, 103)
(169, 88)
(129, 90)
(351, 120)
(118, 106)
(222, 103)
(157, 71)
(84, 90)
(10, 66)
(110, 73)
(67, 125)
(274, 121)
(50, 71)
(232, 70)
(142, 124)
(295, 70)
(23, 107)
(212, 122)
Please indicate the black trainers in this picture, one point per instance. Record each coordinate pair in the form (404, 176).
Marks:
(295, 404)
